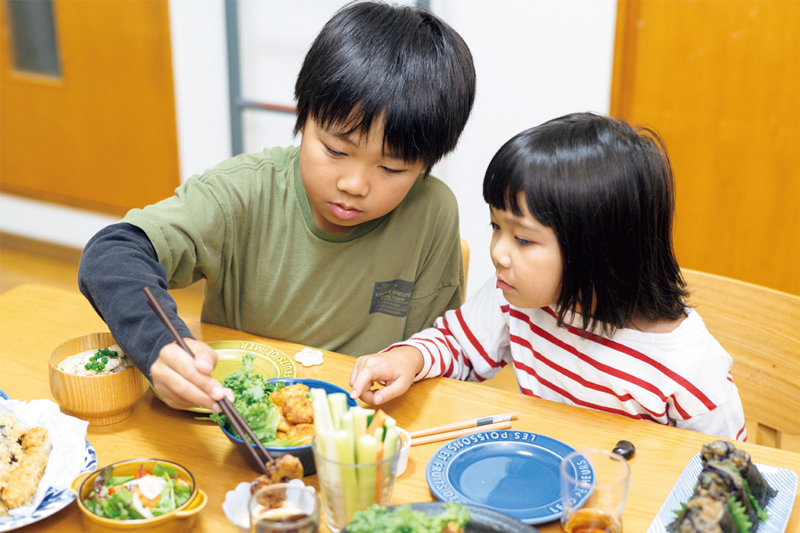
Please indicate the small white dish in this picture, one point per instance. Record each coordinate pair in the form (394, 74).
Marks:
(235, 504)
(402, 462)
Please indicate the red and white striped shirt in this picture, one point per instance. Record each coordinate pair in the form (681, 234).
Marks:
(681, 378)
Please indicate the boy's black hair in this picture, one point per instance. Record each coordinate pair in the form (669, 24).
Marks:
(607, 191)
(374, 61)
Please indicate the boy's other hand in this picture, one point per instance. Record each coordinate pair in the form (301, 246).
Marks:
(184, 382)
(396, 369)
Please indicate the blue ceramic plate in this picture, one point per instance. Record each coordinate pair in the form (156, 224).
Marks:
(3, 395)
(55, 500)
(304, 453)
(512, 472)
(779, 507)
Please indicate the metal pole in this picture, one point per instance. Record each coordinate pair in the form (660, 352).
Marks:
(234, 75)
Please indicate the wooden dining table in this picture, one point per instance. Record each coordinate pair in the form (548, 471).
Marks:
(34, 319)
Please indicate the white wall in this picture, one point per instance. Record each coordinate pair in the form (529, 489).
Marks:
(535, 59)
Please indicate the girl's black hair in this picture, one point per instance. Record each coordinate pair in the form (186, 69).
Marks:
(607, 191)
(374, 61)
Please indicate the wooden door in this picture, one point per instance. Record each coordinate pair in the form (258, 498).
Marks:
(720, 81)
(97, 128)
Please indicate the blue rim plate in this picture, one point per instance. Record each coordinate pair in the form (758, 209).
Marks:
(512, 472)
(779, 508)
(3, 395)
(54, 500)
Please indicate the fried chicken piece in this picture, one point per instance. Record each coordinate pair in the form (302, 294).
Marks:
(283, 425)
(298, 389)
(298, 410)
(301, 433)
(24, 478)
(284, 468)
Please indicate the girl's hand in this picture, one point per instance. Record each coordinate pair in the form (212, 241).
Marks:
(395, 369)
(184, 382)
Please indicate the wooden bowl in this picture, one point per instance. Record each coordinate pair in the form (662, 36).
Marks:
(100, 400)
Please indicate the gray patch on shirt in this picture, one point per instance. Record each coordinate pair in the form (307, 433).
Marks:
(391, 297)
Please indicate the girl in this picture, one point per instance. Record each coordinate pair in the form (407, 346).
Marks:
(588, 300)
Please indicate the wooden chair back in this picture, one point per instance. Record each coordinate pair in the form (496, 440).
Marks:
(760, 329)
(465, 257)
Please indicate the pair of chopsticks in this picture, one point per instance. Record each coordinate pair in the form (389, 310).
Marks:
(458, 429)
(238, 423)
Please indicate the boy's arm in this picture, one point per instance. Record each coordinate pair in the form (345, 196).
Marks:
(115, 266)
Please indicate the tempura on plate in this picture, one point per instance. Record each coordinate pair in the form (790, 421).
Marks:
(23, 459)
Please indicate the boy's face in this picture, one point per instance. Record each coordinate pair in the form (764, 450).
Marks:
(526, 257)
(348, 178)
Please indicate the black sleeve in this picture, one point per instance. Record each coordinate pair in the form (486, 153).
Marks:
(115, 266)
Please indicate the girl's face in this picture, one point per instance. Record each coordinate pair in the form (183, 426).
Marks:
(526, 257)
(348, 178)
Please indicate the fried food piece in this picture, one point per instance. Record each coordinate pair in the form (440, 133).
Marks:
(452, 527)
(301, 433)
(10, 447)
(298, 389)
(284, 468)
(298, 410)
(23, 479)
(283, 425)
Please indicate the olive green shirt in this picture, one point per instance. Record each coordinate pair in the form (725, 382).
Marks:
(247, 228)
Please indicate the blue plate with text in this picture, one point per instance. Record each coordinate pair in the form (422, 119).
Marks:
(512, 472)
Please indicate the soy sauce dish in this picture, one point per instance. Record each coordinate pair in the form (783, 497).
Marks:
(178, 520)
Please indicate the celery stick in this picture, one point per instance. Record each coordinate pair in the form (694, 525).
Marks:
(350, 490)
(366, 453)
(390, 442)
(360, 416)
(338, 405)
(348, 425)
(322, 412)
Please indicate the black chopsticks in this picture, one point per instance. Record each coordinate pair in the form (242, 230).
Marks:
(238, 423)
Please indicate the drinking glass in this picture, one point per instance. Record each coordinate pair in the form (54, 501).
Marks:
(284, 508)
(594, 487)
(346, 488)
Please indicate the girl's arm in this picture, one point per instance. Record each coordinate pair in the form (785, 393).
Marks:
(470, 343)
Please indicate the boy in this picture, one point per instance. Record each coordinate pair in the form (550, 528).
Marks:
(345, 243)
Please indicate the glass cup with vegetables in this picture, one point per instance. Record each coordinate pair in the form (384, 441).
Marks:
(356, 452)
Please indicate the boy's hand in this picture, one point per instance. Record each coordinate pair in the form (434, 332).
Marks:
(184, 382)
(395, 369)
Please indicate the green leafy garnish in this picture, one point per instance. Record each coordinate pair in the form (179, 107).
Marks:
(404, 519)
(251, 398)
(739, 515)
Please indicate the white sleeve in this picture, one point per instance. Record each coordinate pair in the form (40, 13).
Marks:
(470, 343)
(726, 421)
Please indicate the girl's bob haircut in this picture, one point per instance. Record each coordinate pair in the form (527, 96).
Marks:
(606, 189)
(399, 67)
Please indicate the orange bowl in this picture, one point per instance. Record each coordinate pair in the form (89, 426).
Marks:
(100, 400)
(179, 520)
